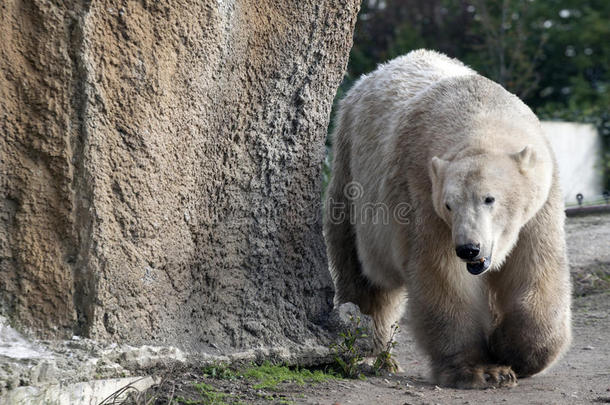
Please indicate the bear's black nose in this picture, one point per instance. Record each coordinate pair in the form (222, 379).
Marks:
(468, 251)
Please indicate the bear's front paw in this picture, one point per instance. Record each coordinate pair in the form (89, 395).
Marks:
(477, 377)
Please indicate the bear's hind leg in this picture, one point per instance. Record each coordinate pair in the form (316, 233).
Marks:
(385, 306)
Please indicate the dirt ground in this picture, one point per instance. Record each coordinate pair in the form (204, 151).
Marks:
(581, 377)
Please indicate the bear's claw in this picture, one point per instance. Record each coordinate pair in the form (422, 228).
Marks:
(478, 377)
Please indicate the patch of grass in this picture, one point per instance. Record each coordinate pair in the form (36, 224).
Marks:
(262, 381)
(269, 376)
(209, 394)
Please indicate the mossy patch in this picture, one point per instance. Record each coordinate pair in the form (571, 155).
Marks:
(226, 385)
(269, 376)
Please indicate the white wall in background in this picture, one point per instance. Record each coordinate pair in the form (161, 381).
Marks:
(578, 151)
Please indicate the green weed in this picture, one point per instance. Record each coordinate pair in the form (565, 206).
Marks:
(221, 371)
(347, 354)
(385, 360)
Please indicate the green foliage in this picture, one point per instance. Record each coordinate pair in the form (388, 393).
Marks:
(210, 395)
(347, 353)
(262, 378)
(544, 51)
(268, 375)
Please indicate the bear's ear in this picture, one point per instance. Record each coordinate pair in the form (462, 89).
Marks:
(436, 165)
(525, 159)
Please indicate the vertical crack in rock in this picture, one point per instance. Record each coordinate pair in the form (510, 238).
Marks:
(82, 194)
(36, 280)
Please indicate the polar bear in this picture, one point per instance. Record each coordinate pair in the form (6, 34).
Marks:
(444, 193)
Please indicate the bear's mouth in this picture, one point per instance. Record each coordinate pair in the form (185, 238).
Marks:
(480, 266)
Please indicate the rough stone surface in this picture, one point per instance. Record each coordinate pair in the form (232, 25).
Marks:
(160, 167)
(347, 317)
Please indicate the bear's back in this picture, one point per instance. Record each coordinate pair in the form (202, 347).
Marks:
(406, 76)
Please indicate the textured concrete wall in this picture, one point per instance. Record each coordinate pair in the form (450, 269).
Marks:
(578, 148)
(160, 167)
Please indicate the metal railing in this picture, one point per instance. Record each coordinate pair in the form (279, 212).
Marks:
(596, 204)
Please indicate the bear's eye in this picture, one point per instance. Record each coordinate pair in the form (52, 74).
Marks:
(489, 200)
(448, 207)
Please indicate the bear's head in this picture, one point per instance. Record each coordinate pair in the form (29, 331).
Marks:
(485, 198)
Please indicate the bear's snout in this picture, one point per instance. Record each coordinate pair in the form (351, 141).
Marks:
(468, 251)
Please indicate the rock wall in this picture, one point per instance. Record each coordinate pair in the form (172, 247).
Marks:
(161, 167)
